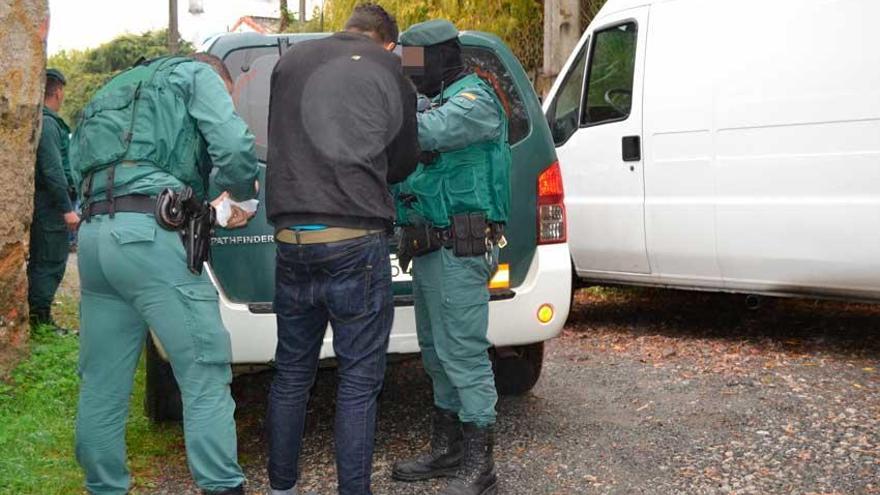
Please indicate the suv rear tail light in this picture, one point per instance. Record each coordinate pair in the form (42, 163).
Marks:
(551, 206)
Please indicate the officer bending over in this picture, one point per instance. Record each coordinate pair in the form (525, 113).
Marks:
(142, 134)
(454, 207)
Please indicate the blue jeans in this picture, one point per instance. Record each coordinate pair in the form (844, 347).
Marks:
(348, 285)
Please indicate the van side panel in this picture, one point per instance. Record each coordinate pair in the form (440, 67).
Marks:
(762, 138)
(679, 138)
(797, 145)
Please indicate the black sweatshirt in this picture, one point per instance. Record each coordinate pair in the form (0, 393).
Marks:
(342, 127)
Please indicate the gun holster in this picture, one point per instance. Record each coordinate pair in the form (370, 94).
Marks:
(181, 211)
(415, 241)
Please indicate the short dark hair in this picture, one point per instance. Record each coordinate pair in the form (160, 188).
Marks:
(216, 64)
(372, 18)
(52, 85)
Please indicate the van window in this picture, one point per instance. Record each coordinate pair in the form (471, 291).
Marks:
(488, 66)
(251, 70)
(610, 75)
(563, 114)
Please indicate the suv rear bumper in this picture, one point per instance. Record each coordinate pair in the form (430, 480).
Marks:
(512, 319)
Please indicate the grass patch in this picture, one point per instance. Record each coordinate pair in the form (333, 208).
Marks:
(37, 415)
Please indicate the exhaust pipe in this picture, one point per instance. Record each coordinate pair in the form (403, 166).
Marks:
(753, 302)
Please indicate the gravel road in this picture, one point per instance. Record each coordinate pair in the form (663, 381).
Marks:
(649, 392)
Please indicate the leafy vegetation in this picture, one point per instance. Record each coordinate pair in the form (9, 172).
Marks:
(589, 9)
(38, 410)
(518, 22)
(87, 70)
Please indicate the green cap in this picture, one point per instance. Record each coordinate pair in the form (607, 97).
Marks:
(429, 33)
(55, 74)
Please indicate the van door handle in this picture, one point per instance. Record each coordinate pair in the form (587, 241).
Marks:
(632, 149)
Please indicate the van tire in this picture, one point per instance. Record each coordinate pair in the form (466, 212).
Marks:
(162, 401)
(518, 374)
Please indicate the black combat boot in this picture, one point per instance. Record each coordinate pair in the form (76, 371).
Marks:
(476, 476)
(239, 490)
(445, 456)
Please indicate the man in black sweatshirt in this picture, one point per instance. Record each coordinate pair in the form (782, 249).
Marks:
(342, 128)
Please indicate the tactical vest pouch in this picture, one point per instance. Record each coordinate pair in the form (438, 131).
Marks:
(106, 128)
(430, 204)
(470, 234)
(464, 192)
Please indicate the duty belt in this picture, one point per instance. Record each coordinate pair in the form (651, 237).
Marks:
(444, 237)
(324, 236)
(475, 237)
(447, 238)
(132, 203)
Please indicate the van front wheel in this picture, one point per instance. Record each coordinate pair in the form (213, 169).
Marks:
(517, 369)
(162, 401)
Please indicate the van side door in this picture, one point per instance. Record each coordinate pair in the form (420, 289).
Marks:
(600, 146)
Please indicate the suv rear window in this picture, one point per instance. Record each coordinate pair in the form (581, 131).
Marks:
(486, 64)
(251, 70)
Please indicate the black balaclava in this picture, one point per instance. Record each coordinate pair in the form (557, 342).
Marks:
(443, 66)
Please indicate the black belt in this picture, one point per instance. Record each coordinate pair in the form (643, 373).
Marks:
(447, 238)
(132, 203)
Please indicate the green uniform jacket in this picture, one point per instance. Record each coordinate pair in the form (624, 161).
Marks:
(221, 140)
(51, 187)
(469, 131)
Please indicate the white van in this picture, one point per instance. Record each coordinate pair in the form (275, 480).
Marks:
(725, 145)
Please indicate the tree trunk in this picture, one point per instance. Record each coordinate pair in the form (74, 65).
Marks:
(24, 24)
(285, 17)
(561, 33)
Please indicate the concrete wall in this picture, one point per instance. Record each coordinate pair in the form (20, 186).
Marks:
(24, 24)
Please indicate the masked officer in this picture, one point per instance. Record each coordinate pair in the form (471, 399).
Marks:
(54, 215)
(142, 133)
(454, 207)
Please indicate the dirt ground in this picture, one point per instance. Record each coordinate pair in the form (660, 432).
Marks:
(646, 391)
(649, 392)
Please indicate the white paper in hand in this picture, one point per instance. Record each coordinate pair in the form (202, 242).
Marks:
(224, 209)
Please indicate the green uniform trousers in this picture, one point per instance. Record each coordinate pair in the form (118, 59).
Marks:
(133, 275)
(47, 261)
(452, 320)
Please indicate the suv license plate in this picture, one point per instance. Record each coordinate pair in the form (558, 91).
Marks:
(397, 274)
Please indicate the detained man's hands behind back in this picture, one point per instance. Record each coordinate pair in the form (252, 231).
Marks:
(72, 221)
(239, 218)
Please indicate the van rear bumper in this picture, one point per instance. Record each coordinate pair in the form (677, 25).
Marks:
(512, 316)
